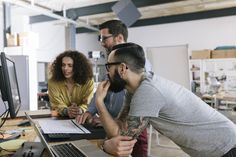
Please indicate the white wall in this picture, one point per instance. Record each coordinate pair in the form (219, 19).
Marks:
(19, 22)
(198, 34)
(86, 42)
(51, 39)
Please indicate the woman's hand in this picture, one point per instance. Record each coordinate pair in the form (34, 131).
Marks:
(74, 110)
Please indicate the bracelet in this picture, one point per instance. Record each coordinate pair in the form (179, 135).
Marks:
(82, 111)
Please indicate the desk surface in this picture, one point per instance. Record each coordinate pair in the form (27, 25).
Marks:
(228, 96)
(11, 124)
(35, 114)
(30, 134)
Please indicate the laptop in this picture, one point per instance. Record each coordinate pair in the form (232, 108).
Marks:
(78, 148)
(57, 130)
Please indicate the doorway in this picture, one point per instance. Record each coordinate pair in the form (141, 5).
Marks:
(170, 62)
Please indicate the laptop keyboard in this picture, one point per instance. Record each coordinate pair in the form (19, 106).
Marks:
(59, 136)
(67, 150)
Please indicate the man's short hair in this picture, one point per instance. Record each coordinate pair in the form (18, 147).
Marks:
(115, 27)
(132, 54)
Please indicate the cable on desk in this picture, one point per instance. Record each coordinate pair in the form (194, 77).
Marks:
(2, 135)
(4, 119)
(6, 113)
(3, 113)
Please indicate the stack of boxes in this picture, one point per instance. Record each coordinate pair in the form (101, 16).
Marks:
(208, 54)
(12, 39)
(201, 54)
(24, 39)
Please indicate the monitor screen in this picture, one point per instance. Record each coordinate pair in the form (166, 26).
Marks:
(9, 85)
(2, 106)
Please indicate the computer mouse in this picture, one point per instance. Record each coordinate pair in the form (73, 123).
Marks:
(24, 123)
(12, 145)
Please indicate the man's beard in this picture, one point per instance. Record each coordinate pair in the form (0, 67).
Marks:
(117, 84)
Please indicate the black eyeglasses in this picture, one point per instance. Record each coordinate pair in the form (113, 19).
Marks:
(103, 38)
(108, 65)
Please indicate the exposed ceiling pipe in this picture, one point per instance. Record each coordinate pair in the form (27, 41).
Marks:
(49, 13)
(64, 11)
(32, 2)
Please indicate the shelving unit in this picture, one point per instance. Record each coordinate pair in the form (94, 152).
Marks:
(195, 75)
(99, 70)
(224, 70)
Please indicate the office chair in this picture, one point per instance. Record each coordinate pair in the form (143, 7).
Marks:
(43, 101)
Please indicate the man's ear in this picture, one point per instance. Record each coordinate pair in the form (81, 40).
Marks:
(120, 38)
(123, 69)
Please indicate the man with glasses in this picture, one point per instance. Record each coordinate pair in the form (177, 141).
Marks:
(198, 129)
(112, 33)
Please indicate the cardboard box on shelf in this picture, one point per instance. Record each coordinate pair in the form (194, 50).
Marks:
(28, 39)
(229, 53)
(201, 54)
(13, 39)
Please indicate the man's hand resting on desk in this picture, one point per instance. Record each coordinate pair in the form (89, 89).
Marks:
(74, 110)
(85, 117)
(121, 146)
(89, 119)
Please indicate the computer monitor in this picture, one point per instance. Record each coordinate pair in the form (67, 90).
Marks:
(9, 85)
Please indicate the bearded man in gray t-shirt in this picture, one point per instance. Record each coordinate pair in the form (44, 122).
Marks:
(174, 111)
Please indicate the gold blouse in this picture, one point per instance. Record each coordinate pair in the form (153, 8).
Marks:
(60, 98)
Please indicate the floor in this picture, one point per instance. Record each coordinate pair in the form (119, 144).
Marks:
(163, 151)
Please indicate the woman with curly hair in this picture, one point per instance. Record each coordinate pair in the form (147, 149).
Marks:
(70, 87)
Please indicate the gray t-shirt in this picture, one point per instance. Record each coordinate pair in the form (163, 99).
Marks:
(177, 113)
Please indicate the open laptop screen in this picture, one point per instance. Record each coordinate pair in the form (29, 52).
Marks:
(39, 133)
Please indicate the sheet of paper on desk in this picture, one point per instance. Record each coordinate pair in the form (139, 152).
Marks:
(61, 126)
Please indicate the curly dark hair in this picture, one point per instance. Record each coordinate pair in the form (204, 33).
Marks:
(82, 67)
